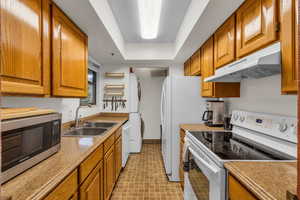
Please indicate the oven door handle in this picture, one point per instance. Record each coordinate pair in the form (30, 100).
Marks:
(213, 169)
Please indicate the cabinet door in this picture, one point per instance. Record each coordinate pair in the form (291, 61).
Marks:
(236, 190)
(187, 67)
(25, 47)
(109, 173)
(74, 197)
(66, 189)
(289, 41)
(256, 25)
(224, 43)
(207, 63)
(69, 57)
(92, 188)
(216, 90)
(195, 64)
(118, 152)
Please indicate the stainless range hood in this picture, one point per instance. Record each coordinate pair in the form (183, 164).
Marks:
(262, 63)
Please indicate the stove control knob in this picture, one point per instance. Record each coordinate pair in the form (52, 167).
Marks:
(242, 118)
(236, 117)
(235, 148)
(293, 129)
(283, 127)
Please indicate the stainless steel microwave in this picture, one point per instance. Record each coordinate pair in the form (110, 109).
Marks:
(28, 141)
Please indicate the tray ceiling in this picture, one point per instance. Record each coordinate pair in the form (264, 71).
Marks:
(172, 15)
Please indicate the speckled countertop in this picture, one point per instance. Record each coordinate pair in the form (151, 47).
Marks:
(266, 180)
(199, 127)
(37, 182)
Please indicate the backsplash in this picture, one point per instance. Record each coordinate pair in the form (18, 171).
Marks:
(264, 95)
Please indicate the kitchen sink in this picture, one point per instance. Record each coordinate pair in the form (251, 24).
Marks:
(99, 124)
(86, 131)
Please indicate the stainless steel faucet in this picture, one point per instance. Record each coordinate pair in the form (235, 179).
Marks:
(77, 117)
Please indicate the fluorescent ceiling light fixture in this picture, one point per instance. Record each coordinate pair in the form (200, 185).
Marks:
(149, 14)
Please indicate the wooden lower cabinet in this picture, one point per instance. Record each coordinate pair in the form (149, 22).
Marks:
(109, 172)
(75, 197)
(118, 152)
(92, 188)
(66, 189)
(96, 176)
(238, 191)
(181, 172)
(89, 163)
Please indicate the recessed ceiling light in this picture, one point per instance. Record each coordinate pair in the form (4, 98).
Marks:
(149, 14)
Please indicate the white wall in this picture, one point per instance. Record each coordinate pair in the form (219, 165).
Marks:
(104, 80)
(66, 106)
(176, 70)
(264, 95)
(150, 102)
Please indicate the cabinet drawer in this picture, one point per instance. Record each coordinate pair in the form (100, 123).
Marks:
(66, 189)
(236, 190)
(118, 133)
(90, 163)
(109, 142)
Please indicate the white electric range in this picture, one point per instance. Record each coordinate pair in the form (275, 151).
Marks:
(254, 137)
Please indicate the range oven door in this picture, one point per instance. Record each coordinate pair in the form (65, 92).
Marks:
(204, 180)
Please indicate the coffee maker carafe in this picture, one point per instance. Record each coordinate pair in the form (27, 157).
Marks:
(214, 114)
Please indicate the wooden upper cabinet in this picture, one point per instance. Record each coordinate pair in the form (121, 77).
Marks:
(210, 89)
(187, 67)
(25, 47)
(224, 43)
(195, 64)
(289, 41)
(256, 25)
(207, 69)
(70, 60)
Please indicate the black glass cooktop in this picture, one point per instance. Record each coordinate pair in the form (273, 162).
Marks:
(229, 146)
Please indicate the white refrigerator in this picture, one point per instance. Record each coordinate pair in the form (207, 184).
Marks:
(135, 136)
(181, 103)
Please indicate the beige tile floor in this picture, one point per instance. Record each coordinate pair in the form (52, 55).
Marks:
(144, 178)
